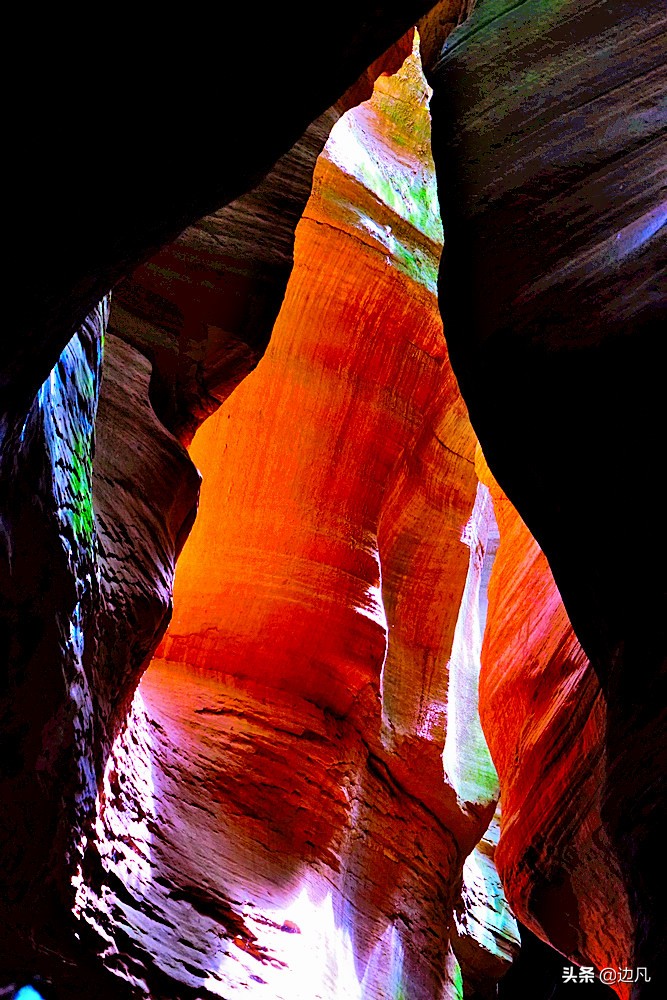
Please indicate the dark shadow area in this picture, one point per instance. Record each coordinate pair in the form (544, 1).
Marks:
(538, 973)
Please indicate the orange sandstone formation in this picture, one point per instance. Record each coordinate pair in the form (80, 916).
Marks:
(293, 803)
(292, 824)
(343, 388)
(544, 716)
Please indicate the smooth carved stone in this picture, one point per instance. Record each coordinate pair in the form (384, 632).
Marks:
(544, 716)
(551, 294)
(248, 841)
(89, 212)
(549, 143)
(265, 799)
(344, 385)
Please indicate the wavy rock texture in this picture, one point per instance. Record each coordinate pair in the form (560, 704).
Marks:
(49, 596)
(545, 717)
(87, 596)
(549, 144)
(269, 837)
(134, 509)
(145, 491)
(330, 849)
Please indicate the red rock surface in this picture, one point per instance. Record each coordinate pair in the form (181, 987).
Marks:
(286, 513)
(544, 716)
(144, 491)
(550, 160)
(549, 142)
(79, 617)
(338, 481)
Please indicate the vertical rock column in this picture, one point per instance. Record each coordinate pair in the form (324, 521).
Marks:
(545, 719)
(267, 841)
(549, 142)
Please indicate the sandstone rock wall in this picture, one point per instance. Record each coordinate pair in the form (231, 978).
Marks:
(273, 834)
(544, 714)
(549, 146)
(356, 558)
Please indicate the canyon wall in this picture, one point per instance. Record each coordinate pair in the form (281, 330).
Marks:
(549, 145)
(138, 504)
(544, 713)
(289, 823)
(274, 808)
(49, 596)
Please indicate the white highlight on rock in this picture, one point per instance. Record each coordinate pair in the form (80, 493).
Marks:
(466, 757)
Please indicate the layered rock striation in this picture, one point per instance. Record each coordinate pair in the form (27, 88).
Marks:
(291, 823)
(292, 801)
(549, 146)
(133, 511)
(545, 716)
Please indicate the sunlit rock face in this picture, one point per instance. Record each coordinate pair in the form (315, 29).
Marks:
(92, 524)
(294, 802)
(273, 834)
(76, 629)
(545, 717)
(549, 143)
(87, 566)
(485, 934)
(245, 841)
(358, 347)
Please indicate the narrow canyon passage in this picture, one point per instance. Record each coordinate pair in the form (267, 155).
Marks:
(314, 779)
(293, 705)
(294, 721)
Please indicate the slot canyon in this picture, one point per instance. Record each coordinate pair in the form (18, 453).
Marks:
(332, 603)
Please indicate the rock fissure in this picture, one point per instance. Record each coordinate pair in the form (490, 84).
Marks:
(367, 646)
